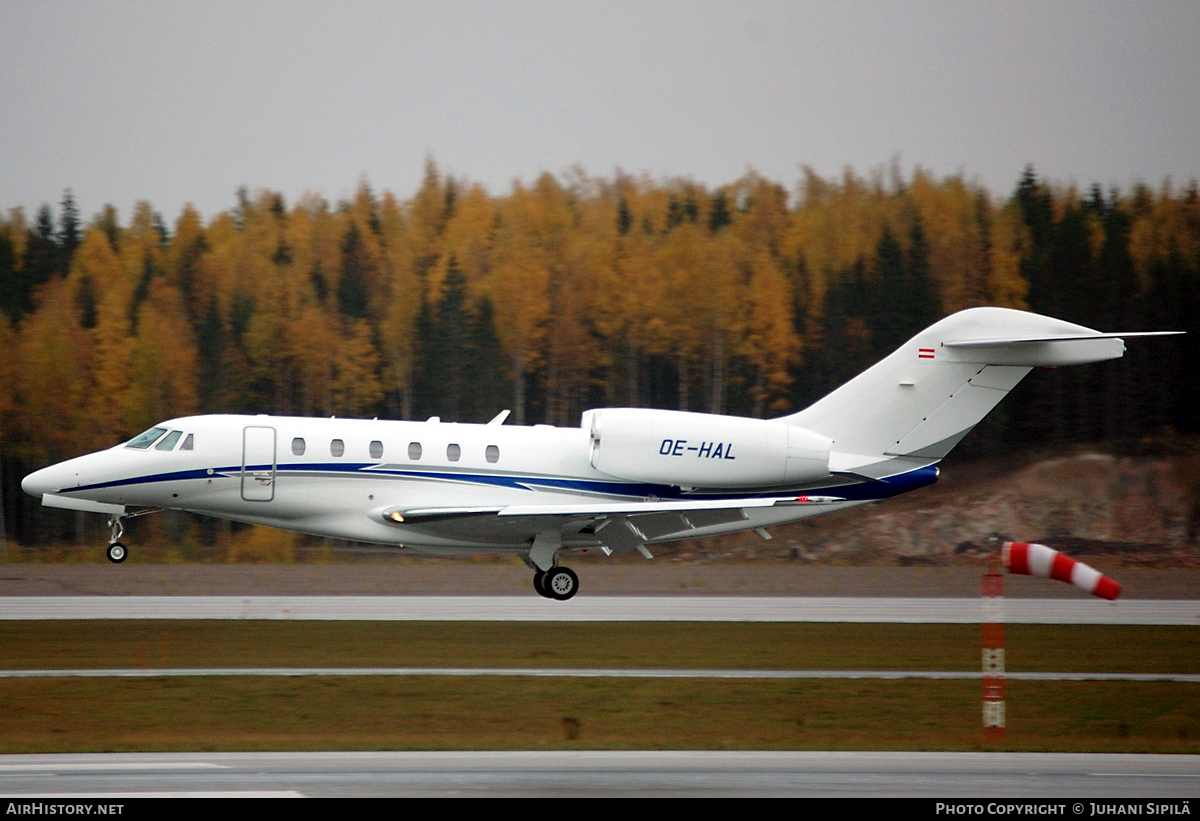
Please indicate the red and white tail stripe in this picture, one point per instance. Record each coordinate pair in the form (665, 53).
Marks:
(1038, 560)
(925, 353)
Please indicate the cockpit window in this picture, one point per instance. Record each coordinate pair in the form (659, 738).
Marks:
(187, 443)
(145, 440)
(169, 440)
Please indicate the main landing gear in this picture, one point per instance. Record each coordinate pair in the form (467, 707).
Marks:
(117, 552)
(559, 583)
(549, 579)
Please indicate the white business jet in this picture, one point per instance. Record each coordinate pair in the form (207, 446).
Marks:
(625, 479)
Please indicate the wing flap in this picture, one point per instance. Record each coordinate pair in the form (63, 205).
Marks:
(688, 507)
(618, 526)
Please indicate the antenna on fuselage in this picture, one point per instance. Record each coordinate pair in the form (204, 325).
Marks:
(499, 418)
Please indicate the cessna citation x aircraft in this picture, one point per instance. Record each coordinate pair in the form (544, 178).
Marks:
(625, 479)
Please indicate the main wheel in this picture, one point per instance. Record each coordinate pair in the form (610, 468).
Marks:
(539, 583)
(561, 583)
(117, 552)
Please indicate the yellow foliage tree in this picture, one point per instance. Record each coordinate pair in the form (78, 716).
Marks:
(162, 379)
(54, 391)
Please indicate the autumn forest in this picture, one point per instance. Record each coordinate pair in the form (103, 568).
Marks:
(576, 292)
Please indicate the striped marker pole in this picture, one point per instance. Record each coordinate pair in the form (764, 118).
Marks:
(1023, 559)
(993, 657)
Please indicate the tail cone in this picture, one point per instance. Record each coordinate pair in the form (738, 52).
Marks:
(1038, 560)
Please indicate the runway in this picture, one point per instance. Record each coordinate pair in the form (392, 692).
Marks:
(607, 773)
(576, 672)
(975, 776)
(602, 608)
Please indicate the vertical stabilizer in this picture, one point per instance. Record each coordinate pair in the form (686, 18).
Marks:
(923, 399)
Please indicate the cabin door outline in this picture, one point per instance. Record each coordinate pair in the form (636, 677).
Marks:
(258, 463)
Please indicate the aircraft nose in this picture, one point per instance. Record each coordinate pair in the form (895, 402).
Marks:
(53, 479)
(39, 482)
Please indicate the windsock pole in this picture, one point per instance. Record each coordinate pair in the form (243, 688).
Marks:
(1023, 559)
(993, 656)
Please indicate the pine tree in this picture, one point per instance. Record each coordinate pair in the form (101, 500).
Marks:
(43, 258)
(352, 285)
(69, 235)
(921, 303)
(12, 295)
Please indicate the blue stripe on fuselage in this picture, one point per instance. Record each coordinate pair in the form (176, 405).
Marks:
(867, 490)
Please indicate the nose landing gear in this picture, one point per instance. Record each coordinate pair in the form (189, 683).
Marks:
(117, 552)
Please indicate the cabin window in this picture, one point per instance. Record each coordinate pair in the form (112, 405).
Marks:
(145, 440)
(297, 446)
(187, 443)
(168, 441)
(337, 447)
(377, 449)
(493, 454)
(453, 452)
(414, 450)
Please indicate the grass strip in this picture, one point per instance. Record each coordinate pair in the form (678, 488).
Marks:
(179, 643)
(374, 713)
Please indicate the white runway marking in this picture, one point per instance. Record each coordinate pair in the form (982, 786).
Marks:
(600, 608)
(576, 672)
(102, 765)
(160, 794)
(561, 773)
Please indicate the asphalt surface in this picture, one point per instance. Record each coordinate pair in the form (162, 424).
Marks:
(597, 578)
(975, 776)
(601, 608)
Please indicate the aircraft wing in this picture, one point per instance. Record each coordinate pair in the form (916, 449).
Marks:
(615, 526)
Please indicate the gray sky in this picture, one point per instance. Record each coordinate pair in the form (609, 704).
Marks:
(184, 102)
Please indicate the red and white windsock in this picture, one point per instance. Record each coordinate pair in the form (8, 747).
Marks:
(1038, 560)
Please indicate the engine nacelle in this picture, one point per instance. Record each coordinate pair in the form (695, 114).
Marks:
(703, 450)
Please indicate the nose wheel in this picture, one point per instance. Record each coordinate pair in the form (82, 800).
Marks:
(117, 552)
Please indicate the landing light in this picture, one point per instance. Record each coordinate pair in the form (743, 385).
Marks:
(396, 516)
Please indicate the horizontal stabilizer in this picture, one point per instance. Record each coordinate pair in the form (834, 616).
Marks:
(1030, 340)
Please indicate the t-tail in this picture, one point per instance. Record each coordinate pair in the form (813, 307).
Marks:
(913, 407)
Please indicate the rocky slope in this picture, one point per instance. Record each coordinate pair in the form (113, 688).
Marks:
(1130, 510)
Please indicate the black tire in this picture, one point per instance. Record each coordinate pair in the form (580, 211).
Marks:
(539, 583)
(561, 583)
(117, 553)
